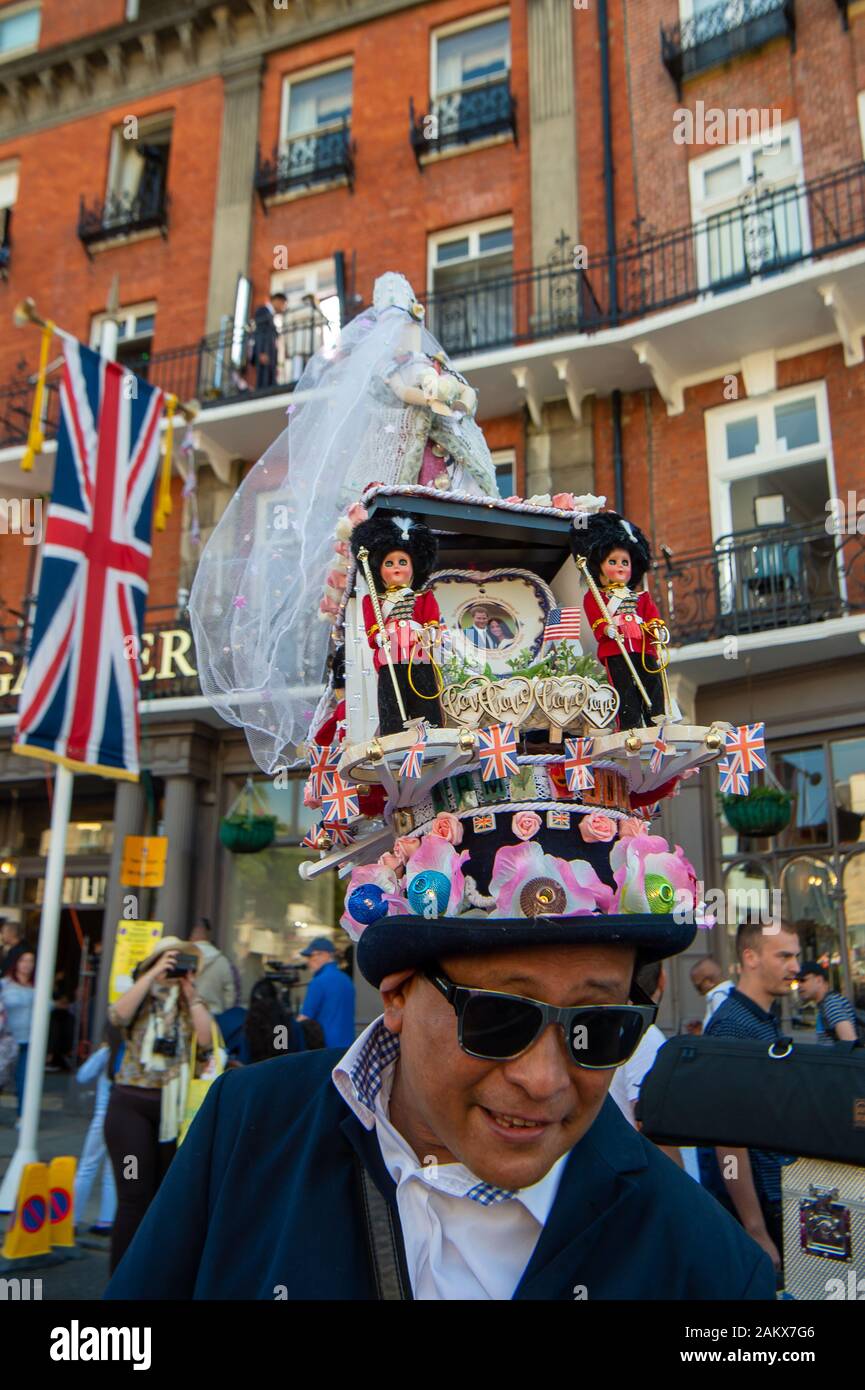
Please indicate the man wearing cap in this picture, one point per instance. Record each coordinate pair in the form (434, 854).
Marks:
(462, 1148)
(329, 995)
(836, 1017)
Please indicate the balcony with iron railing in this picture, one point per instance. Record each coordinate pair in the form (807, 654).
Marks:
(768, 232)
(121, 215)
(464, 117)
(306, 161)
(724, 31)
(762, 581)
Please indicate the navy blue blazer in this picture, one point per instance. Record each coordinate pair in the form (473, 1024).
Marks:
(263, 1202)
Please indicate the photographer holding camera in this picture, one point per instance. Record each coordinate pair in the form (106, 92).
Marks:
(158, 1016)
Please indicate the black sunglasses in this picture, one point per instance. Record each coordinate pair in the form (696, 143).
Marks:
(499, 1027)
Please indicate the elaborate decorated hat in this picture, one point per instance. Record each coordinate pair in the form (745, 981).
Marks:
(382, 534)
(593, 537)
(505, 876)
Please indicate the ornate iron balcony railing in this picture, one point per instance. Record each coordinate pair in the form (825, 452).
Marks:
(723, 32)
(121, 214)
(763, 580)
(306, 160)
(463, 117)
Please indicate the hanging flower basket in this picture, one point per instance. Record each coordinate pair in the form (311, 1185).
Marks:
(764, 811)
(248, 827)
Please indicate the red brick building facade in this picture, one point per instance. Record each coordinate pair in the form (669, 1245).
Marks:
(639, 228)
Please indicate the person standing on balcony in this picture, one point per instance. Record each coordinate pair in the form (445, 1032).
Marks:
(265, 338)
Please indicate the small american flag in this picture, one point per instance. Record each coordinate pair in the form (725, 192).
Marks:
(412, 763)
(660, 750)
(563, 625)
(733, 780)
(338, 799)
(577, 771)
(497, 744)
(747, 744)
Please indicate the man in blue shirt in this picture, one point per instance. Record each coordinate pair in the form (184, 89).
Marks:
(836, 1017)
(330, 994)
(768, 965)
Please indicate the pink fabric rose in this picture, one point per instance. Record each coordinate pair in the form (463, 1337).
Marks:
(650, 877)
(390, 861)
(310, 800)
(405, 847)
(328, 607)
(565, 501)
(525, 824)
(357, 513)
(448, 827)
(343, 548)
(597, 829)
(335, 579)
(524, 874)
(632, 826)
(379, 874)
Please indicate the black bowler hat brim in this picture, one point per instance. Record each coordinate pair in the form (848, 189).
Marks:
(409, 943)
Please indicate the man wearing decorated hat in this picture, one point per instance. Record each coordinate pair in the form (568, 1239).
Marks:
(464, 1146)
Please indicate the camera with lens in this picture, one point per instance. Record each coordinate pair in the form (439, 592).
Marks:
(165, 1047)
(281, 974)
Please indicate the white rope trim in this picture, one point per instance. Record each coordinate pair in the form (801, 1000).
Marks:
(479, 499)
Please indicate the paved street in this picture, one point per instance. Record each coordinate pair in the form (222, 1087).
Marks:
(66, 1112)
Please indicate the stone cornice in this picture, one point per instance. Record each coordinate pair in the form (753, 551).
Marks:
(135, 61)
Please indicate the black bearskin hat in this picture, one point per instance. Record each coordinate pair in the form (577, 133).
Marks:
(606, 531)
(382, 534)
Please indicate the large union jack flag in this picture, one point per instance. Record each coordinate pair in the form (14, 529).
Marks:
(79, 702)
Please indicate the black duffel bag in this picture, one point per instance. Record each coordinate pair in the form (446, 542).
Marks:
(806, 1099)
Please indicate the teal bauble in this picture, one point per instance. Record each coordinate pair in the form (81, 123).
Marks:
(428, 893)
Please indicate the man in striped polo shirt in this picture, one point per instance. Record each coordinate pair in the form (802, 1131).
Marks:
(836, 1017)
(768, 966)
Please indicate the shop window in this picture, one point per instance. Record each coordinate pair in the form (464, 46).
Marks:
(853, 882)
(809, 888)
(848, 779)
(802, 773)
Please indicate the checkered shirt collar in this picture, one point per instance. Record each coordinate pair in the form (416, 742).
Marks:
(359, 1077)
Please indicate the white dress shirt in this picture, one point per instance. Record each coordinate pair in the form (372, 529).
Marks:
(463, 1238)
(715, 998)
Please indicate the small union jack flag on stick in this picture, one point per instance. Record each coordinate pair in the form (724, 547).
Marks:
(497, 744)
(747, 746)
(340, 834)
(734, 781)
(412, 763)
(338, 799)
(578, 773)
(660, 749)
(321, 762)
(316, 838)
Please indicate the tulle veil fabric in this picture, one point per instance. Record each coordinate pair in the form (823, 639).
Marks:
(261, 645)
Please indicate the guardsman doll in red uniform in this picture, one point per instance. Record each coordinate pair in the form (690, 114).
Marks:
(402, 553)
(618, 558)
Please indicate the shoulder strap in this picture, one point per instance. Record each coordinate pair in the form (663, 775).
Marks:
(382, 1241)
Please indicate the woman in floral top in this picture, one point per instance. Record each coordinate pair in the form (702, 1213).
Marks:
(158, 1016)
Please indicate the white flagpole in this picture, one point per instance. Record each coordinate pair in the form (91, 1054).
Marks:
(26, 1150)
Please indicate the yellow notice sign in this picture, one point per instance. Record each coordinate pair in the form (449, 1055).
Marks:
(143, 864)
(133, 943)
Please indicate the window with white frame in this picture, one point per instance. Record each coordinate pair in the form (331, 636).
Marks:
(138, 170)
(747, 207)
(8, 199)
(470, 54)
(136, 324)
(311, 318)
(505, 464)
(470, 278)
(771, 476)
(314, 125)
(19, 29)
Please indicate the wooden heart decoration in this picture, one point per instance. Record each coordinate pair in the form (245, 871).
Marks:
(462, 703)
(508, 701)
(602, 704)
(561, 698)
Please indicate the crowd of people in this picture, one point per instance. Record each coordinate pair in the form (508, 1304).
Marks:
(180, 1020)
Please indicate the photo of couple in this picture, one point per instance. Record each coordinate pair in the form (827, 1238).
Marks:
(488, 626)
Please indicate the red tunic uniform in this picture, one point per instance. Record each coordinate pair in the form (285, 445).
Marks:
(424, 611)
(631, 618)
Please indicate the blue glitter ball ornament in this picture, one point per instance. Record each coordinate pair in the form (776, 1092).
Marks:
(428, 893)
(366, 903)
